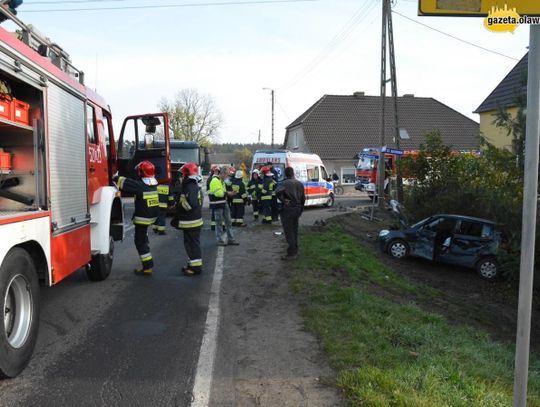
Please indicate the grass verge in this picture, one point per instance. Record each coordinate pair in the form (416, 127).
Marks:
(390, 353)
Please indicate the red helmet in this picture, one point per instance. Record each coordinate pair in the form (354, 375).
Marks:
(145, 169)
(232, 171)
(265, 170)
(189, 169)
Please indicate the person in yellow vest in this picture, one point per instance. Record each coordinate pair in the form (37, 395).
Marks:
(218, 203)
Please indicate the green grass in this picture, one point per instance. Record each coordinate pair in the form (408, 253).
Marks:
(390, 354)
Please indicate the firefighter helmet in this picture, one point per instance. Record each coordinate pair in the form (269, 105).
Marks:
(255, 171)
(232, 171)
(189, 169)
(265, 170)
(145, 169)
(239, 174)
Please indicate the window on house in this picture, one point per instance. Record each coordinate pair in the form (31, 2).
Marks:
(348, 175)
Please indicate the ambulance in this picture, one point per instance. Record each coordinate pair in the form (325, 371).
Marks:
(308, 168)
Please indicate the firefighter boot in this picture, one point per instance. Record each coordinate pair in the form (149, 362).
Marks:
(143, 272)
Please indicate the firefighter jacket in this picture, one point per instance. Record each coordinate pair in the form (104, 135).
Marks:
(189, 205)
(254, 188)
(239, 189)
(146, 200)
(217, 194)
(268, 187)
(163, 194)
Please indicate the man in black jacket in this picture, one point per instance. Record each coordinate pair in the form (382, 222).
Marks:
(291, 194)
(189, 217)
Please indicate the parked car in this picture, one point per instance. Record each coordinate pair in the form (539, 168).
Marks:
(453, 239)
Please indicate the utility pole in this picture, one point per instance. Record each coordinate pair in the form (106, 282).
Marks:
(381, 164)
(393, 84)
(259, 138)
(528, 228)
(388, 38)
(272, 92)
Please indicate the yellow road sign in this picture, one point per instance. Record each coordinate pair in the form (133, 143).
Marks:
(476, 8)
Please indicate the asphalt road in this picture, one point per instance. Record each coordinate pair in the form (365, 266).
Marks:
(130, 340)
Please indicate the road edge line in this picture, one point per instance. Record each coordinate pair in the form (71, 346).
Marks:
(207, 354)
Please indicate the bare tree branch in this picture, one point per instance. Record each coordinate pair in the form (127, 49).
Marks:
(193, 116)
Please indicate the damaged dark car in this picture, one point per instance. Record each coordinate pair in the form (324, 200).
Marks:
(453, 239)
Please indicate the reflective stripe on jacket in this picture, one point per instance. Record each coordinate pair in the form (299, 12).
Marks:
(146, 200)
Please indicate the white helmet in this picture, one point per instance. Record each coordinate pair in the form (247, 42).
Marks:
(239, 174)
(256, 171)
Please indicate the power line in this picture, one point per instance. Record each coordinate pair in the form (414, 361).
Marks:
(455, 38)
(227, 3)
(283, 110)
(345, 31)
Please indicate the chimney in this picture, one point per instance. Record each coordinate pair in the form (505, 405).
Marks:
(358, 94)
(408, 95)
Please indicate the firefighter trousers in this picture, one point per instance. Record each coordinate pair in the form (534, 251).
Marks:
(256, 206)
(159, 226)
(266, 205)
(275, 209)
(237, 214)
(192, 244)
(143, 246)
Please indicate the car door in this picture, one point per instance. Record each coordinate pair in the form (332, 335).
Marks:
(431, 235)
(471, 240)
(145, 137)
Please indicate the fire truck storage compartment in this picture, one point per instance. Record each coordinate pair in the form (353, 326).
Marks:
(67, 158)
(22, 153)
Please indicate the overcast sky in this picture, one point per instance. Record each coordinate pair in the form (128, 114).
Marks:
(303, 50)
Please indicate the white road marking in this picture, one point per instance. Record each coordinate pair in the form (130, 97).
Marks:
(207, 353)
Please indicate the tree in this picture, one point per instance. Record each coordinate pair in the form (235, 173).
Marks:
(243, 155)
(193, 116)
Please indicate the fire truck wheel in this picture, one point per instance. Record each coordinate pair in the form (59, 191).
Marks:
(101, 264)
(19, 297)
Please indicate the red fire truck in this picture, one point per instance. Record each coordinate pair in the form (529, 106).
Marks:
(366, 169)
(59, 209)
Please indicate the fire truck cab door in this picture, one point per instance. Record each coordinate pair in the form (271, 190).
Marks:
(145, 137)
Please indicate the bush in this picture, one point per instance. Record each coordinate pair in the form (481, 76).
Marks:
(488, 186)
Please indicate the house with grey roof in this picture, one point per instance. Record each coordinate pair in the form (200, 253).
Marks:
(508, 94)
(337, 127)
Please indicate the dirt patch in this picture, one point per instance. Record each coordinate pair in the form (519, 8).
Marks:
(265, 355)
(464, 299)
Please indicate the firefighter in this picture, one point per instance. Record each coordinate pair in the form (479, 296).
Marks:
(218, 203)
(189, 215)
(228, 185)
(239, 199)
(214, 171)
(164, 196)
(254, 192)
(146, 209)
(267, 192)
(274, 205)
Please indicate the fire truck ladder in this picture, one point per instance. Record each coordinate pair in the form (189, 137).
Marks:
(42, 45)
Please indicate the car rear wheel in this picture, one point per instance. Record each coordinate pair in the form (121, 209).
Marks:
(398, 249)
(488, 269)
